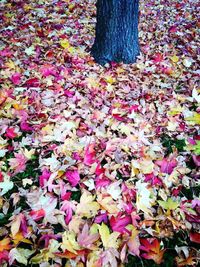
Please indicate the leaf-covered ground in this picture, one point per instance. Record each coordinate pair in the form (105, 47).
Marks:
(99, 166)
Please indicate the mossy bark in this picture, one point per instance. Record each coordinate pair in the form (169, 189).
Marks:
(116, 31)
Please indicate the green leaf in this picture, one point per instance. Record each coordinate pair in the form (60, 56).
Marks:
(169, 204)
(197, 148)
(20, 254)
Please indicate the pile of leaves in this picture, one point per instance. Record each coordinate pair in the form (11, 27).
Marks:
(99, 166)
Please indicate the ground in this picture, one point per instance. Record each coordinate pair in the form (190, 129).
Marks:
(99, 165)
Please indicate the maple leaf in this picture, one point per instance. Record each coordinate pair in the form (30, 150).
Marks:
(37, 214)
(65, 43)
(11, 133)
(134, 242)
(6, 185)
(144, 197)
(193, 120)
(109, 240)
(85, 239)
(19, 237)
(20, 254)
(18, 164)
(73, 177)
(19, 223)
(90, 155)
(87, 206)
(16, 78)
(69, 242)
(152, 249)
(196, 148)
(158, 57)
(119, 223)
(196, 94)
(30, 50)
(188, 261)
(195, 237)
(5, 244)
(167, 165)
(4, 256)
(68, 207)
(169, 204)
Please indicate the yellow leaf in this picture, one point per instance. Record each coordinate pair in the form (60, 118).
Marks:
(169, 204)
(109, 79)
(195, 119)
(15, 225)
(48, 129)
(87, 206)
(108, 204)
(69, 242)
(27, 7)
(65, 43)
(20, 238)
(72, 50)
(8, 15)
(104, 233)
(175, 111)
(108, 240)
(10, 64)
(174, 58)
(17, 106)
(71, 6)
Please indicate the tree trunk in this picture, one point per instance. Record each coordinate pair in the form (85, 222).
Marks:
(116, 31)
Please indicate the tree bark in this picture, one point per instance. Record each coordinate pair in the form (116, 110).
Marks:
(116, 37)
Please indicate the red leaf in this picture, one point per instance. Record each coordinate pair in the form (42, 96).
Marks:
(195, 237)
(158, 57)
(152, 248)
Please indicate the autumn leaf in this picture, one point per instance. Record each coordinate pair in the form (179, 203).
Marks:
(73, 177)
(152, 250)
(65, 43)
(21, 255)
(69, 242)
(87, 206)
(109, 240)
(6, 185)
(169, 204)
(86, 239)
(134, 242)
(5, 244)
(195, 237)
(194, 120)
(17, 238)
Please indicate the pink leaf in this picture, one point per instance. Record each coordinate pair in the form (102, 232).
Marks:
(18, 164)
(119, 223)
(90, 155)
(44, 177)
(85, 239)
(167, 165)
(10, 133)
(73, 177)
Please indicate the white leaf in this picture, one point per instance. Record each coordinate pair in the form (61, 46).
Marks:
(196, 95)
(6, 186)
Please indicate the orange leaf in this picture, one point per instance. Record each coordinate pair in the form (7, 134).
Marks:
(69, 255)
(5, 244)
(152, 250)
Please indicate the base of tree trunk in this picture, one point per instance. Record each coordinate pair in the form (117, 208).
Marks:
(116, 31)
